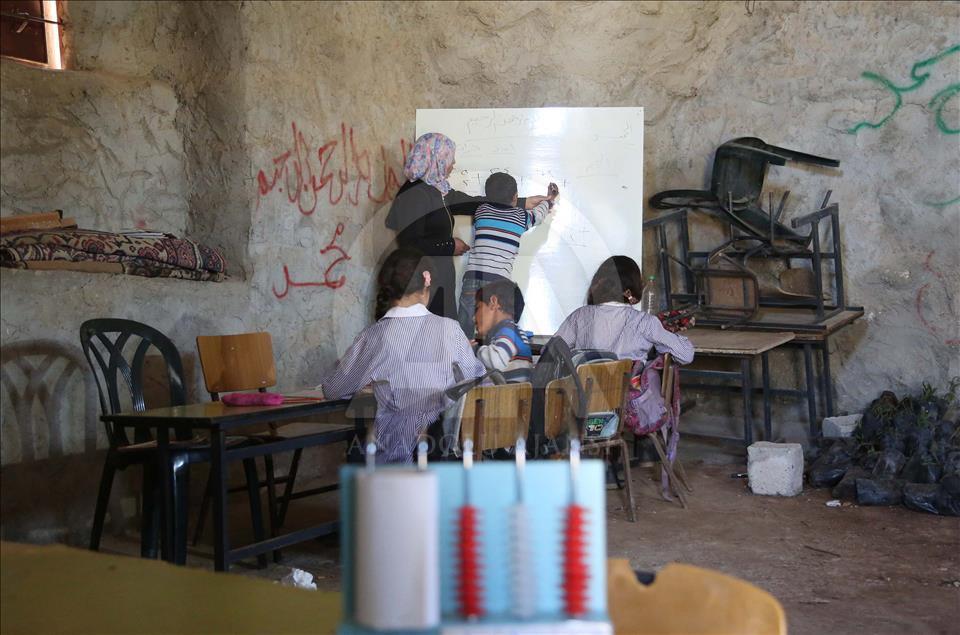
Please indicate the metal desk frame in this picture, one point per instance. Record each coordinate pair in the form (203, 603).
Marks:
(218, 419)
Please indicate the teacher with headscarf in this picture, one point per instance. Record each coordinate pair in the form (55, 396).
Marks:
(422, 214)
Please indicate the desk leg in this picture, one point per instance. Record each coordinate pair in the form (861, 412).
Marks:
(811, 389)
(767, 427)
(166, 494)
(746, 375)
(827, 379)
(221, 543)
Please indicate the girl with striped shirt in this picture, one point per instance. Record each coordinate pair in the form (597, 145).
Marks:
(610, 322)
(408, 355)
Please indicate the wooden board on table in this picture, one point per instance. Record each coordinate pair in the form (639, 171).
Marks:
(727, 342)
(86, 266)
(42, 220)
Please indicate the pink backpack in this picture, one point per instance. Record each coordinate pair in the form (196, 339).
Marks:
(644, 410)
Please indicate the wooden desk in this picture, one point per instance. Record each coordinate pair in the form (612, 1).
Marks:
(218, 419)
(745, 346)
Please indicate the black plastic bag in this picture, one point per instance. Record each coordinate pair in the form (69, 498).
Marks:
(951, 463)
(879, 491)
(948, 498)
(921, 468)
(891, 439)
(846, 489)
(832, 465)
(889, 464)
(919, 440)
(921, 497)
(869, 460)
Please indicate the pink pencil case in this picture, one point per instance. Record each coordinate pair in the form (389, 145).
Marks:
(252, 399)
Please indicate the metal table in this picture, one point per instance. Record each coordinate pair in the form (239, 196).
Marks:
(745, 346)
(218, 420)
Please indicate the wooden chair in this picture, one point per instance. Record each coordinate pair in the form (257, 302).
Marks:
(667, 380)
(245, 362)
(605, 388)
(495, 416)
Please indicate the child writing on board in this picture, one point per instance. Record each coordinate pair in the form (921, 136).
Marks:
(505, 346)
(497, 227)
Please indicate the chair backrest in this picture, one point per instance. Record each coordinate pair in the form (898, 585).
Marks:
(116, 351)
(237, 362)
(495, 416)
(666, 378)
(558, 414)
(605, 384)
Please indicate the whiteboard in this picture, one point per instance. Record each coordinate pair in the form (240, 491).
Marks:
(595, 156)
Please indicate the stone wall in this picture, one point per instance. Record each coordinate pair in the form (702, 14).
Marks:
(276, 131)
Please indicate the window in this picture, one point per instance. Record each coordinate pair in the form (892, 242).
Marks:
(30, 30)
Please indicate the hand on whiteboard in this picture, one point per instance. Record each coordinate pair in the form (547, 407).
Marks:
(552, 193)
(460, 247)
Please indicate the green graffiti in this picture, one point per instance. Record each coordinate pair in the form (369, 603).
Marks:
(942, 204)
(919, 74)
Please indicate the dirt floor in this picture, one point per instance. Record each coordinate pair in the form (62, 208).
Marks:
(835, 570)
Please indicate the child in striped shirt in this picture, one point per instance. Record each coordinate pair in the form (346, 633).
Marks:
(497, 227)
(505, 346)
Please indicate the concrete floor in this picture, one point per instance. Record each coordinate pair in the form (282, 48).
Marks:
(835, 570)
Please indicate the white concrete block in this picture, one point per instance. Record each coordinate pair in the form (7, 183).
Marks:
(840, 427)
(775, 469)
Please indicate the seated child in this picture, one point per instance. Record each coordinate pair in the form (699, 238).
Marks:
(497, 227)
(505, 347)
(409, 355)
(610, 322)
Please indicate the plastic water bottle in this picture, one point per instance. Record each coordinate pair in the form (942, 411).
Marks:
(649, 299)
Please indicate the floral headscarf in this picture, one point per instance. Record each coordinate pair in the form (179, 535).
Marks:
(429, 159)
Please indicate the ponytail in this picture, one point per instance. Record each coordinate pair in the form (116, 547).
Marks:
(401, 274)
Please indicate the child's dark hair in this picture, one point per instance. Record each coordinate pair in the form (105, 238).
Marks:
(507, 292)
(500, 188)
(614, 277)
(400, 274)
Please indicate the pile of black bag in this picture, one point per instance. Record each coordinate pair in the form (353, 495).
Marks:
(903, 451)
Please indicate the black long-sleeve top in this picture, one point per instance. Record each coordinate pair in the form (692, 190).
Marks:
(420, 219)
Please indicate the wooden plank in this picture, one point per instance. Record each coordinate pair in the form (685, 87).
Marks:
(738, 343)
(88, 266)
(23, 222)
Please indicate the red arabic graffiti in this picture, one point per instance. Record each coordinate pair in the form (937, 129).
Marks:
(305, 174)
(921, 293)
(329, 280)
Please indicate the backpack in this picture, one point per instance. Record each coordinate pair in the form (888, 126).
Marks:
(556, 362)
(645, 410)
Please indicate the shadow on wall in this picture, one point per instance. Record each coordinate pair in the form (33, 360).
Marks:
(53, 445)
(50, 463)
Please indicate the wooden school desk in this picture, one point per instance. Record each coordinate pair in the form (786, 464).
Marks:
(218, 420)
(744, 346)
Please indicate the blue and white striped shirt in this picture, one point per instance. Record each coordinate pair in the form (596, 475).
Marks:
(496, 236)
(620, 328)
(506, 348)
(408, 355)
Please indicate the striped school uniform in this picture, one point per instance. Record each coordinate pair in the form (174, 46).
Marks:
(620, 328)
(409, 356)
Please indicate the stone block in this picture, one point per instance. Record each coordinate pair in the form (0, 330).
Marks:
(840, 427)
(775, 469)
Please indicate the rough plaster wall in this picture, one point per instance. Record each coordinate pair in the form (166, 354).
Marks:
(289, 120)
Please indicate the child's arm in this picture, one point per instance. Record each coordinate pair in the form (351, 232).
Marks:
(532, 201)
(352, 372)
(536, 215)
(665, 341)
(463, 354)
(497, 354)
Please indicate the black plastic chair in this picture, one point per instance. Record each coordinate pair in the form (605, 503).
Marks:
(104, 342)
